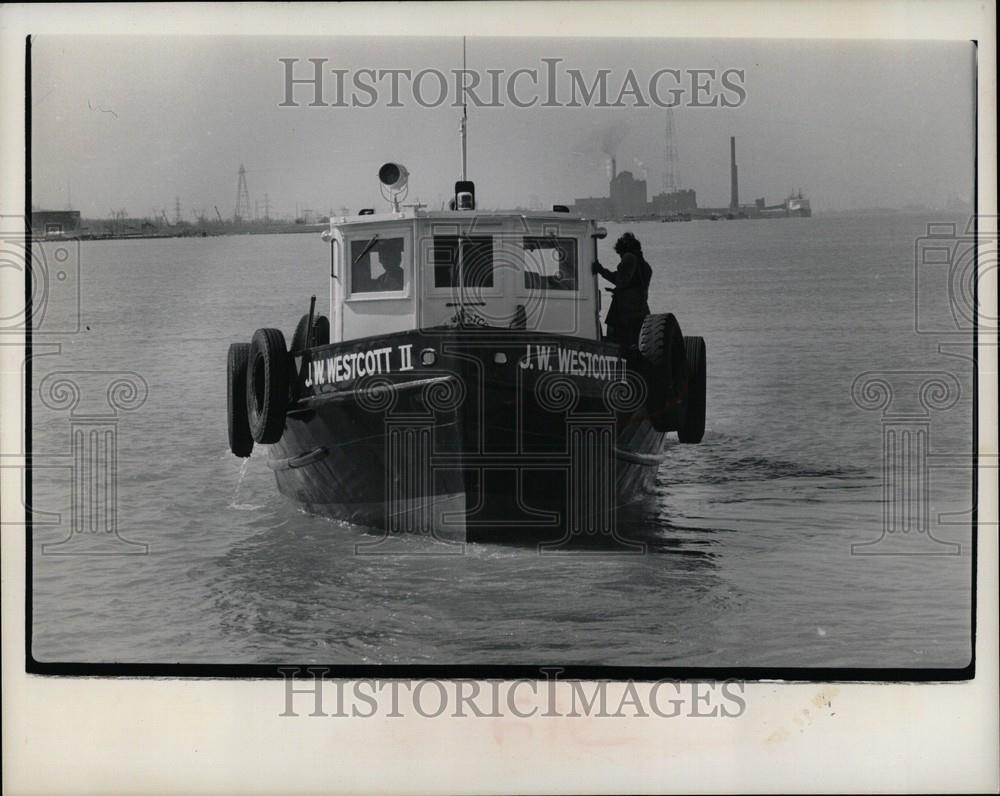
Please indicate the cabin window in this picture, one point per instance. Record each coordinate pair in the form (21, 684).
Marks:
(477, 261)
(377, 265)
(550, 263)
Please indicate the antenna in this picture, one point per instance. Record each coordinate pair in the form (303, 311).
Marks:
(465, 117)
(242, 197)
(465, 191)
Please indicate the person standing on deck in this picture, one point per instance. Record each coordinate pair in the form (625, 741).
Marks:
(630, 293)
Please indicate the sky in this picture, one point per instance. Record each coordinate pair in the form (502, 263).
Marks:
(136, 122)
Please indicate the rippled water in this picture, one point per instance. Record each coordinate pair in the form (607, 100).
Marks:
(749, 558)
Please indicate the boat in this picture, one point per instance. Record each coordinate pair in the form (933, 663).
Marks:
(461, 385)
(797, 205)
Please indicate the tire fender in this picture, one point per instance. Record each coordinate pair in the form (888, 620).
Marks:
(267, 385)
(237, 422)
(661, 346)
(692, 426)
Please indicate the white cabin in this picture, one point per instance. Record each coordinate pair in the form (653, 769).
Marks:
(414, 268)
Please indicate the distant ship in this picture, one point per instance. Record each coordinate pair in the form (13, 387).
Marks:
(798, 205)
(795, 206)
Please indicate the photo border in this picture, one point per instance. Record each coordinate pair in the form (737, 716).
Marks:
(212, 735)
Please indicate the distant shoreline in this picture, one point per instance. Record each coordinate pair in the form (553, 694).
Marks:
(229, 230)
(193, 232)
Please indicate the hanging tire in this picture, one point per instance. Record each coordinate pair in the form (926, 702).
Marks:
(661, 345)
(237, 424)
(321, 333)
(692, 426)
(267, 385)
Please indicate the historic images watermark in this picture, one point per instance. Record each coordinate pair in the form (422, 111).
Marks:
(314, 83)
(950, 265)
(51, 271)
(311, 692)
(906, 400)
(94, 399)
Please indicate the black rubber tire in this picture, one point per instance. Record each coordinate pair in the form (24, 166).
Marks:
(661, 345)
(237, 424)
(692, 426)
(321, 333)
(267, 385)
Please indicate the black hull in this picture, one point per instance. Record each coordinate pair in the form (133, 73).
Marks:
(546, 445)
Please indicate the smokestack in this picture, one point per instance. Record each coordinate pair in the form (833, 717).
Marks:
(614, 168)
(734, 180)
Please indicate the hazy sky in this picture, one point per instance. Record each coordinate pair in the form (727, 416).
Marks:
(132, 123)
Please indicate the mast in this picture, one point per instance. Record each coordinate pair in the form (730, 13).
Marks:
(465, 117)
(461, 238)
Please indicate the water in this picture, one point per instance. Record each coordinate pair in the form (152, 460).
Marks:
(749, 560)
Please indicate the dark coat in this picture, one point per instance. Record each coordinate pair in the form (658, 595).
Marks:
(631, 292)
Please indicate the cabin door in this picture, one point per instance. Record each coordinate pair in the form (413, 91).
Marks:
(373, 287)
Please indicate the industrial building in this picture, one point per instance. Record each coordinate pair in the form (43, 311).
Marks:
(628, 195)
(55, 223)
(594, 207)
(675, 203)
(627, 199)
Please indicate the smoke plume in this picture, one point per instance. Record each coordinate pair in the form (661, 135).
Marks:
(610, 137)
